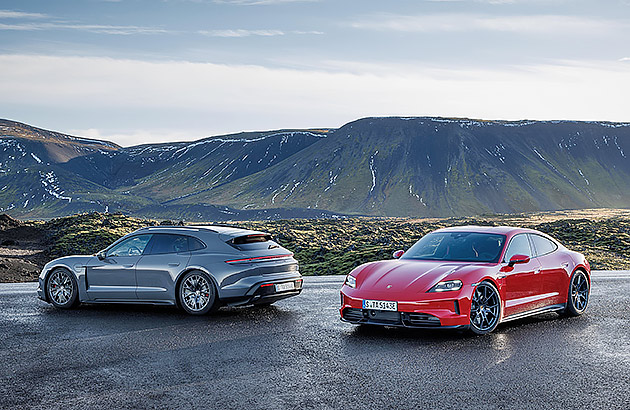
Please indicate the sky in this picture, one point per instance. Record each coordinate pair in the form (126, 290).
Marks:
(139, 71)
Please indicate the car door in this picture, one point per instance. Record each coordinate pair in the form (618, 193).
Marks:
(522, 281)
(553, 271)
(114, 277)
(167, 255)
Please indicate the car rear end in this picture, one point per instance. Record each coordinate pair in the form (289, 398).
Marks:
(257, 270)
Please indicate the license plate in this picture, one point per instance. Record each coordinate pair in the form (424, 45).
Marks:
(283, 287)
(380, 305)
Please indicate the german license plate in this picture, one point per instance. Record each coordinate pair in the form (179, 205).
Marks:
(283, 287)
(380, 305)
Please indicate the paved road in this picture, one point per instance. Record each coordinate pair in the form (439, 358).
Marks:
(297, 354)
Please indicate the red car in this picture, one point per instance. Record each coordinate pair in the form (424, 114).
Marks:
(468, 277)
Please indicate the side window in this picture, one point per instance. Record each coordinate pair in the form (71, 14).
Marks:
(131, 246)
(195, 244)
(519, 245)
(167, 243)
(543, 245)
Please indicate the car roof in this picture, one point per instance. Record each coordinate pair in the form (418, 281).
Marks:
(503, 230)
(224, 230)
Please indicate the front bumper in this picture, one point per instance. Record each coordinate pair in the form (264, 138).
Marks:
(40, 290)
(437, 311)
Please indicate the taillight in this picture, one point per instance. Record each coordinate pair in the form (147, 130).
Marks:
(259, 258)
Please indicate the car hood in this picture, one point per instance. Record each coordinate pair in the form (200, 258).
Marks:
(413, 275)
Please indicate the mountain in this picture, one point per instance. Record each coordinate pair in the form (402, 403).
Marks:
(392, 166)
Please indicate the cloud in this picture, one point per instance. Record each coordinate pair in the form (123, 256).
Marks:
(623, 59)
(51, 24)
(11, 14)
(451, 22)
(133, 102)
(131, 138)
(248, 33)
(91, 28)
(241, 33)
(261, 2)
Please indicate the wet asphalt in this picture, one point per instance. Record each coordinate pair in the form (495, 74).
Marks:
(298, 354)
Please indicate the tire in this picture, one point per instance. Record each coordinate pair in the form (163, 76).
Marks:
(196, 293)
(578, 294)
(485, 309)
(62, 289)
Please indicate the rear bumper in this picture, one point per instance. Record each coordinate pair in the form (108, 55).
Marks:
(433, 314)
(266, 292)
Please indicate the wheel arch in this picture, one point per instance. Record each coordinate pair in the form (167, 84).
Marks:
(490, 280)
(500, 290)
(586, 271)
(181, 275)
(54, 268)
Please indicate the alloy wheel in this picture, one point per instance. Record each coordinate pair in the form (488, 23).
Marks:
(60, 287)
(195, 292)
(579, 291)
(485, 308)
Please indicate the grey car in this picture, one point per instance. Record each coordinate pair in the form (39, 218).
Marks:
(198, 268)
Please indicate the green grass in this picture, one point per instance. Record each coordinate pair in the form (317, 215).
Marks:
(336, 246)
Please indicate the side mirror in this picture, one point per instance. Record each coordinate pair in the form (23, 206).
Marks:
(101, 255)
(398, 254)
(518, 259)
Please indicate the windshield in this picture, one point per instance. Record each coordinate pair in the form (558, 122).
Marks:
(457, 246)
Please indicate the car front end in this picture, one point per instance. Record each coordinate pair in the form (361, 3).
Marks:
(448, 308)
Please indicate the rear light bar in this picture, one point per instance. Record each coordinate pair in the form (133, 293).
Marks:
(259, 258)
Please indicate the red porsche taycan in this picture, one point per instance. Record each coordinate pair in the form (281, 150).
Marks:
(468, 277)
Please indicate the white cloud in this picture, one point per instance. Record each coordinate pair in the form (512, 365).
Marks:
(248, 33)
(11, 14)
(261, 2)
(92, 28)
(132, 138)
(624, 59)
(241, 33)
(204, 98)
(452, 22)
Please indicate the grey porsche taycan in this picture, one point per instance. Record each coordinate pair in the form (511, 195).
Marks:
(198, 268)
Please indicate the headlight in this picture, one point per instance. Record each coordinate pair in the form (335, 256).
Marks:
(447, 285)
(351, 281)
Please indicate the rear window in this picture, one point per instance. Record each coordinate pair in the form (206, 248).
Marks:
(244, 240)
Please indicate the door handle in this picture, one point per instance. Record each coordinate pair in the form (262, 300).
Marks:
(537, 270)
(565, 264)
(128, 266)
(173, 264)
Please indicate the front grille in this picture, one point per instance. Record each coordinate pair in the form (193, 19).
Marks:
(383, 316)
(422, 319)
(352, 314)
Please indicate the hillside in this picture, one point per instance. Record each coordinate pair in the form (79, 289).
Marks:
(438, 167)
(417, 167)
(323, 247)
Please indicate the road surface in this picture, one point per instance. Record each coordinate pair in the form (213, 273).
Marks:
(297, 354)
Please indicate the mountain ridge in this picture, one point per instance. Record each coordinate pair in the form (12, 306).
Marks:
(379, 166)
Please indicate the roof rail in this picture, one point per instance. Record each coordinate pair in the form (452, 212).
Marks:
(174, 227)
